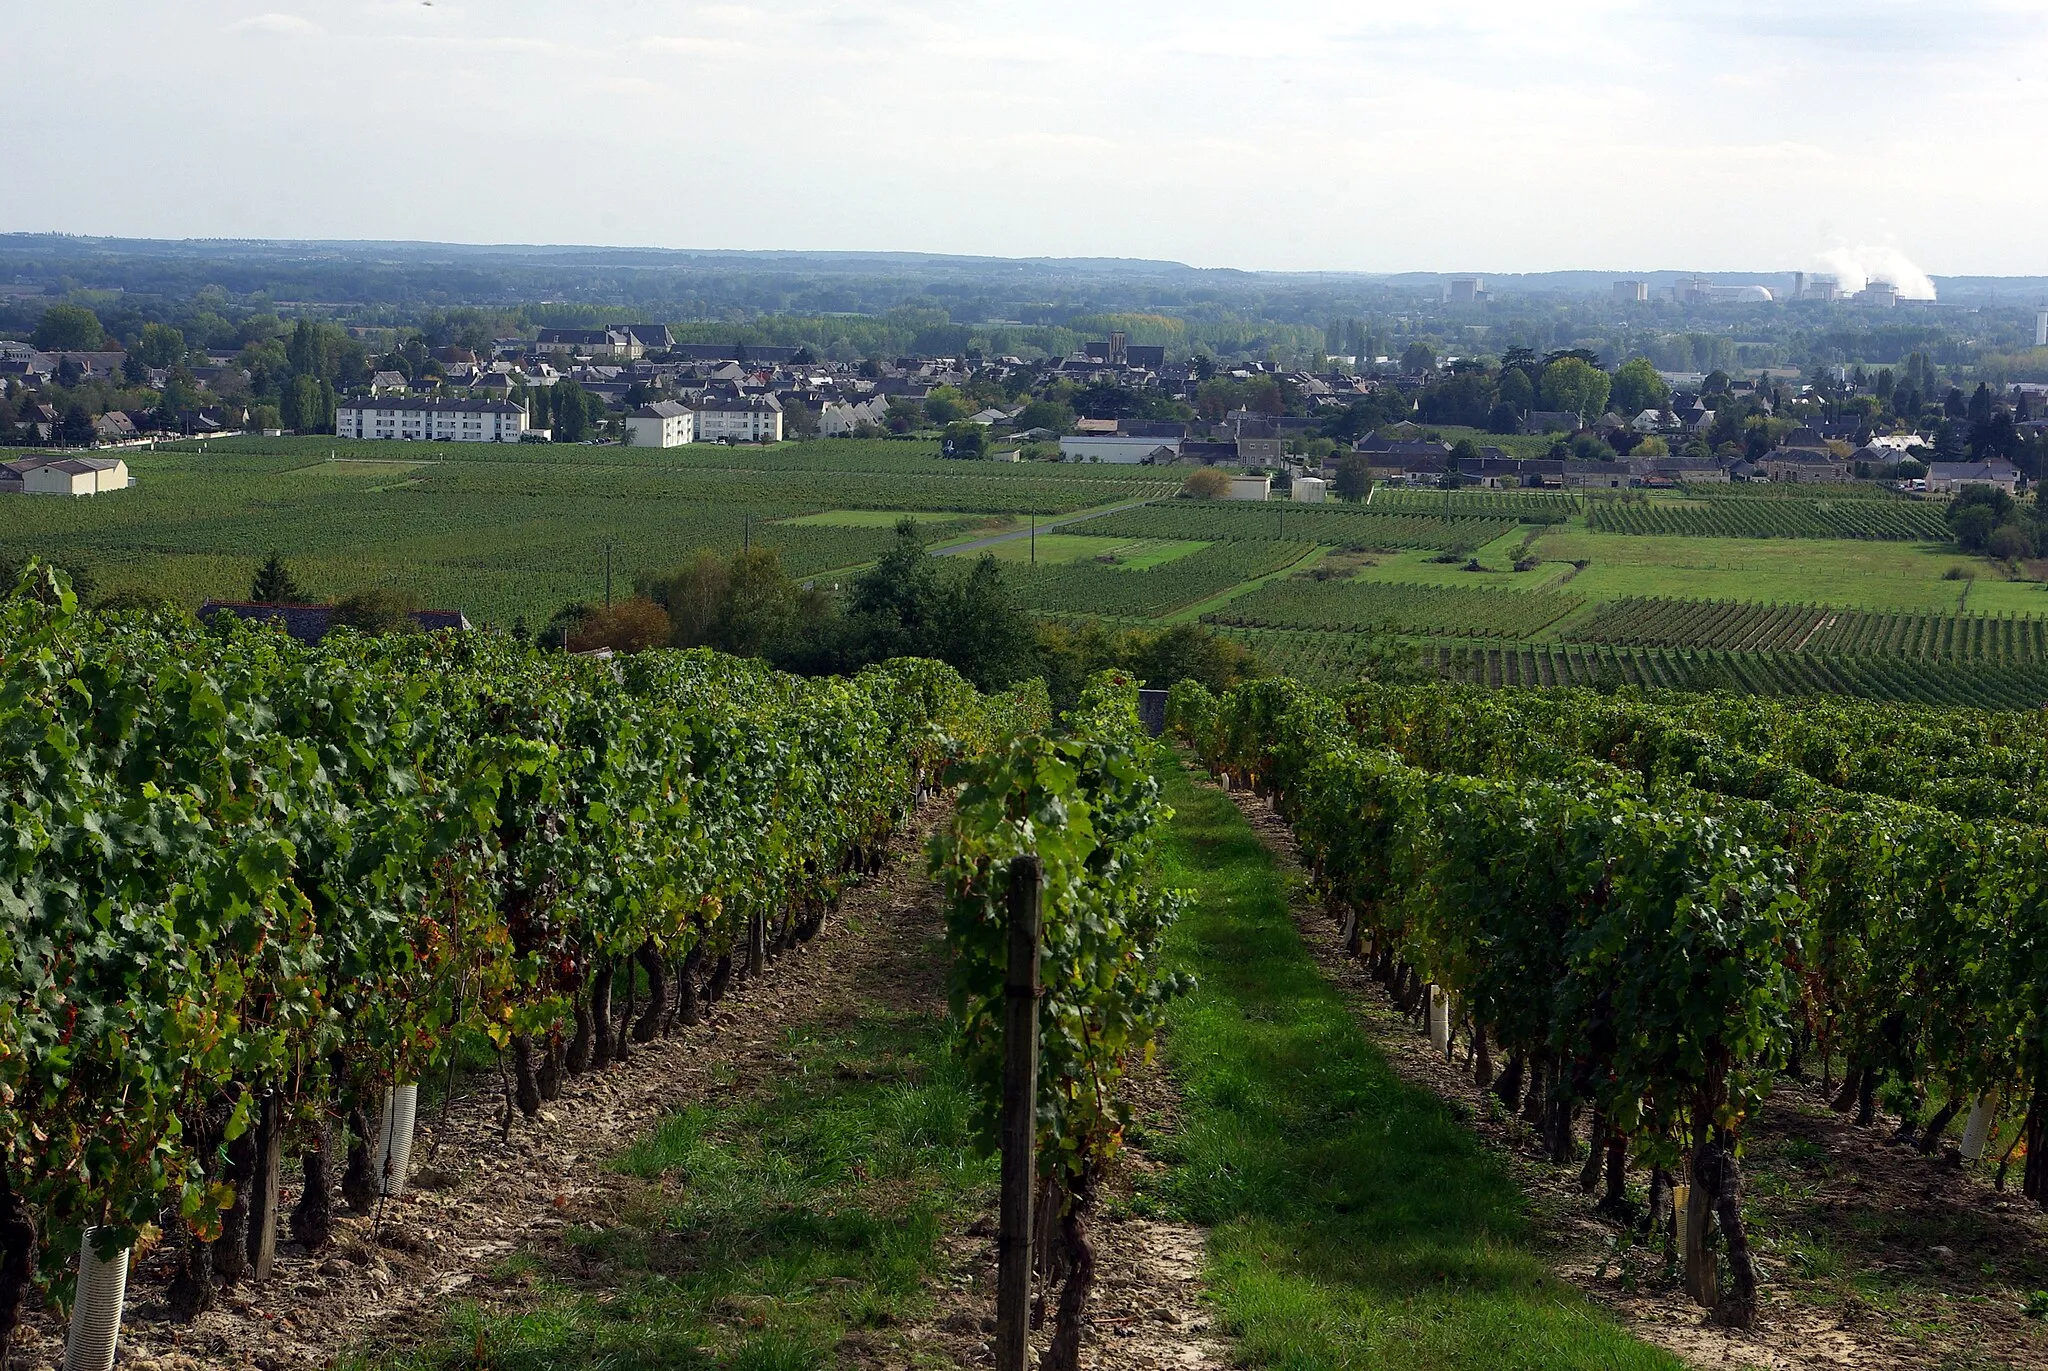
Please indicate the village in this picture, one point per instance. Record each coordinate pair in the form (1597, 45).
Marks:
(1560, 421)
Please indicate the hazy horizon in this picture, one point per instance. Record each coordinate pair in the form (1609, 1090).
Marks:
(1865, 139)
(1596, 275)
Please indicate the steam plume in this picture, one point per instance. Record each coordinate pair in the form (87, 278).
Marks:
(1858, 266)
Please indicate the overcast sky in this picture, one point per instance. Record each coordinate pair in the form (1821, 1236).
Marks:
(1446, 135)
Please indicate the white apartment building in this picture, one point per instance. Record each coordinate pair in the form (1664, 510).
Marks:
(438, 420)
(749, 419)
(661, 424)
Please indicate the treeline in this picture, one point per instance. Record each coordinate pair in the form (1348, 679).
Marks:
(909, 604)
(281, 376)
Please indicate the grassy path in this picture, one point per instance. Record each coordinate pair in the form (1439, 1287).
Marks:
(1355, 1223)
(790, 1230)
(792, 1208)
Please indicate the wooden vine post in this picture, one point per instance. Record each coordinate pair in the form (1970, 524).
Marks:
(1020, 1119)
(269, 1170)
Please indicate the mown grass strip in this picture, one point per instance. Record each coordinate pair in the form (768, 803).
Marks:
(793, 1228)
(1354, 1222)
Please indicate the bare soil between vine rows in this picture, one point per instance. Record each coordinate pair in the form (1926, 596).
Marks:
(386, 1282)
(1871, 1254)
(1148, 1312)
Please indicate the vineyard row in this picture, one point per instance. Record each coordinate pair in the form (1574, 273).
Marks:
(251, 890)
(1644, 925)
(1767, 517)
(1302, 602)
(1094, 589)
(1911, 635)
(1332, 525)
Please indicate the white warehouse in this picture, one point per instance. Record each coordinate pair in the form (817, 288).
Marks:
(664, 423)
(445, 421)
(54, 475)
(1126, 451)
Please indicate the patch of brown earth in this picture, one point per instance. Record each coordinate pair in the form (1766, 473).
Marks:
(1149, 1309)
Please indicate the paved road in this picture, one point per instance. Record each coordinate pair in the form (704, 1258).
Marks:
(1044, 526)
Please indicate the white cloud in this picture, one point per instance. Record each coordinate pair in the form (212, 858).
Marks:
(1340, 134)
(283, 25)
(692, 45)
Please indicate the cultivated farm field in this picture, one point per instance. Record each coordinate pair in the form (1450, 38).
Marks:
(1341, 606)
(1746, 516)
(1856, 582)
(516, 531)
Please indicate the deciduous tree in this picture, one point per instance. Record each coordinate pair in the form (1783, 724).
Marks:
(629, 626)
(1637, 387)
(75, 428)
(1516, 389)
(68, 328)
(1572, 385)
(944, 405)
(964, 440)
(1418, 357)
(160, 346)
(1354, 477)
(376, 611)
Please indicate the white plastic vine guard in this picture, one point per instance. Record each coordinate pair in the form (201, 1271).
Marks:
(394, 1137)
(1977, 1132)
(96, 1313)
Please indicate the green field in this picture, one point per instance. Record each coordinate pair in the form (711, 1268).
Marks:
(1747, 516)
(1124, 554)
(516, 531)
(1867, 575)
(1700, 587)
(354, 466)
(871, 518)
(1348, 606)
(1093, 589)
(1337, 525)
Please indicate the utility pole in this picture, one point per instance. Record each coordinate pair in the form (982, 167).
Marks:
(1020, 1120)
(1034, 537)
(746, 533)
